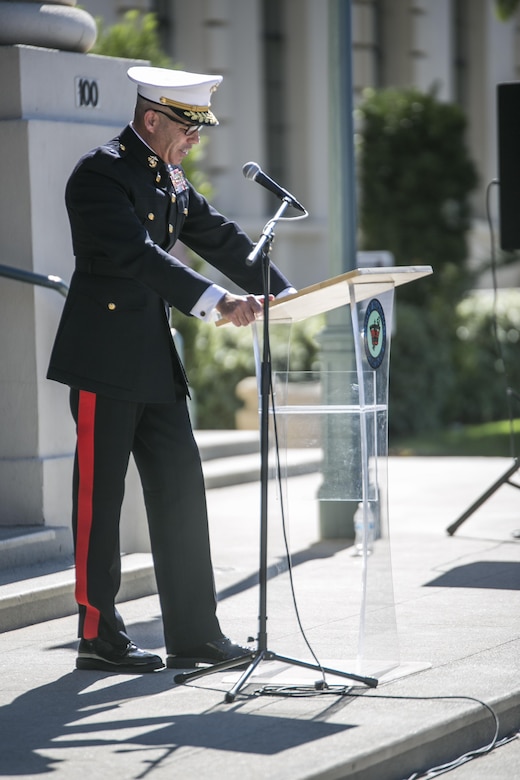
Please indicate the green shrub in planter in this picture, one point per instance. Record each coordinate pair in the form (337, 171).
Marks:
(486, 357)
(421, 372)
(442, 380)
(216, 359)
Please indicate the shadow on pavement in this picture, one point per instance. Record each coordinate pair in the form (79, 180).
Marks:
(499, 575)
(40, 726)
(325, 549)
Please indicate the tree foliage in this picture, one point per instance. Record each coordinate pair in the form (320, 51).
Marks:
(134, 38)
(505, 9)
(416, 178)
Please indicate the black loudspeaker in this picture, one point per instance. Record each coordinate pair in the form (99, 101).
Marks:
(508, 107)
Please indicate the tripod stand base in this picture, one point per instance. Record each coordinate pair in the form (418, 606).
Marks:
(504, 479)
(266, 655)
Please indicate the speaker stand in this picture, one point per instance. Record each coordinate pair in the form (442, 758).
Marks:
(504, 479)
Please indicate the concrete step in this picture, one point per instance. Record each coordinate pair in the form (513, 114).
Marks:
(235, 470)
(33, 594)
(229, 457)
(224, 444)
(27, 545)
(36, 562)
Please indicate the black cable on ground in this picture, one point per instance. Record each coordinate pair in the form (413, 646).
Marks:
(341, 690)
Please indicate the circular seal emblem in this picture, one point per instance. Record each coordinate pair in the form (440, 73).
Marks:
(374, 331)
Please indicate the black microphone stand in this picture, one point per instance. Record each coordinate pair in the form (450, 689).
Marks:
(262, 653)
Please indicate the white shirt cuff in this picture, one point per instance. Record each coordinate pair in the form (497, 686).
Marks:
(204, 309)
(287, 291)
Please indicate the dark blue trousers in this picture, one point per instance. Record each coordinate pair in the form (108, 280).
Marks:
(160, 438)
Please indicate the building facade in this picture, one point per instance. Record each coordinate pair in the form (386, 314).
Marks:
(274, 108)
(273, 104)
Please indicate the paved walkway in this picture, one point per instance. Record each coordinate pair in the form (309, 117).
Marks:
(457, 617)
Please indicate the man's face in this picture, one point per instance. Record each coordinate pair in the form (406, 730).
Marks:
(168, 137)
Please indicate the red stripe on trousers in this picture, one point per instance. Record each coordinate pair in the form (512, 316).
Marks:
(86, 420)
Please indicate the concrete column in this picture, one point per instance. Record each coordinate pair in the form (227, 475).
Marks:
(397, 43)
(54, 106)
(500, 53)
(55, 24)
(337, 353)
(221, 36)
(433, 47)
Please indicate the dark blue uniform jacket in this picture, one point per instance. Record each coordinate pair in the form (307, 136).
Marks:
(126, 213)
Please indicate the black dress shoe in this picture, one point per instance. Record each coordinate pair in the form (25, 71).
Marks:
(210, 653)
(124, 659)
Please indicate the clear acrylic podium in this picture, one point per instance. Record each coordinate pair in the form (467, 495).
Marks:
(337, 429)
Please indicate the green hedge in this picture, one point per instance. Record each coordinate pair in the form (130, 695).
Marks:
(416, 178)
(466, 375)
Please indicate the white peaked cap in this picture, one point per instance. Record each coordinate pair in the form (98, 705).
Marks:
(187, 94)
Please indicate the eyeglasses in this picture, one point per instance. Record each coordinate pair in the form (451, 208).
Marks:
(188, 129)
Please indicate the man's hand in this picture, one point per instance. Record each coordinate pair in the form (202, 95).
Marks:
(240, 309)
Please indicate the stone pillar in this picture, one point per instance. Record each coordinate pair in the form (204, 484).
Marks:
(337, 350)
(54, 106)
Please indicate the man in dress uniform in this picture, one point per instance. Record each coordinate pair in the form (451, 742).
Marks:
(128, 202)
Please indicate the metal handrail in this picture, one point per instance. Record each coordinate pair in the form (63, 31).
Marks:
(54, 282)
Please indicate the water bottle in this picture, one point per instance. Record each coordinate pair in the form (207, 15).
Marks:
(359, 530)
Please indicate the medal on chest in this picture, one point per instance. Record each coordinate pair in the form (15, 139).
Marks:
(178, 180)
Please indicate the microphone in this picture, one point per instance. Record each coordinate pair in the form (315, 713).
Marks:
(252, 170)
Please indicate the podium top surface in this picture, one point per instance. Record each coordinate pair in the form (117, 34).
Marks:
(353, 286)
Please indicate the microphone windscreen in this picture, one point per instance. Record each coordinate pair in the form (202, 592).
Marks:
(250, 170)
